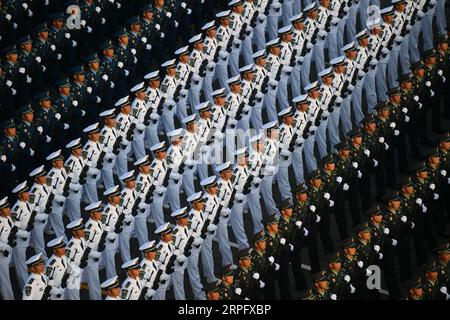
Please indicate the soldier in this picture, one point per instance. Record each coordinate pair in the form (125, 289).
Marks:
(6, 227)
(93, 154)
(155, 103)
(131, 287)
(273, 58)
(125, 129)
(125, 53)
(28, 133)
(212, 291)
(442, 261)
(45, 116)
(149, 269)
(74, 165)
(37, 282)
(430, 282)
(165, 257)
(112, 288)
(262, 263)
(415, 289)
(83, 94)
(9, 144)
(74, 252)
(245, 278)
(181, 235)
(143, 195)
(320, 290)
(160, 169)
(139, 111)
(57, 265)
(127, 203)
(227, 290)
(338, 282)
(111, 145)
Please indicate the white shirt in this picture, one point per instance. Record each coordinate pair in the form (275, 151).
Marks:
(21, 213)
(75, 250)
(93, 232)
(35, 286)
(55, 269)
(91, 153)
(159, 171)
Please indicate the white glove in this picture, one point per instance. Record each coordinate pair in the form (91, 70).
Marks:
(238, 291)
(416, 98)
(99, 99)
(103, 21)
(376, 248)
(431, 93)
(306, 232)
(386, 231)
(435, 196)
(89, 29)
(298, 224)
(13, 91)
(59, 56)
(120, 64)
(386, 146)
(256, 276)
(283, 241)
(443, 173)
(261, 284)
(375, 163)
(133, 51)
(381, 140)
(277, 266)
(345, 187)
(428, 83)
(312, 208)
(347, 278)
(183, 5)
(404, 110)
(368, 273)
(333, 297)
(74, 43)
(22, 145)
(413, 225)
(31, 152)
(367, 152)
(355, 165)
(30, 13)
(66, 126)
(271, 259)
(432, 186)
(135, 60)
(13, 168)
(22, 70)
(380, 256)
(67, 35)
(331, 205)
(168, 14)
(112, 85)
(291, 247)
(148, 47)
(404, 219)
(407, 119)
(419, 201)
(98, 9)
(359, 174)
(338, 179)
(176, 24)
(105, 77)
(318, 218)
(48, 139)
(83, 113)
(75, 103)
(89, 90)
(40, 129)
(188, 11)
(126, 72)
(8, 17)
(57, 116)
(352, 289)
(9, 83)
(157, 26)
(326, 195)
(392, 125)
(443, 290)
(420, 105)
(162, 35)
(38, 59)
(394, 242)
(25, 5)
(396, 133)
(29, 79)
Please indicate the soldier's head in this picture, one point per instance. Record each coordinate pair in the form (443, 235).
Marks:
(320, 281)
(430, 270)
(245, 258)
(242, 157)
(58, 246)
(109, 118)
(113, 195)
(422, 172)
(415, 289)
(22, 192)
(198, 45)
(328, 79)
(247, 73)
(225, 171)
(407, 186)
(132, 268)
(159, 3)
(261, 60)
(286, 208)
(418, 70)
(257, 143)
(212, 291)
(259, 241)
(433, 157)
(94, 136)
(442, 43)
(235, 84)
(393, 201)
(181, 216)
(363, 38)
(444, 143)
(350, 54)
(314, 179)
(125, 108)
(165, 232)
(444, 253)
(160, 155)
(113, 292)
(36, 264)
(272, 132)
(219, 97)
(224, 18)
(5, 210)
(39, 175)
(387, 15)
(96, 213)
(287, 116)
(334, 261)
(124, 39)
(238, 7)
(139, 91)
(356, 137)
(376, 216)
(197, 202)
(76, 227)
(369, 124)
(400, 6)
(275, 50)
(212, 188)
(343, 149)
(149, 250)
(430, 57)
(313, 90)
(26, 44)
(363, 232)
(129, 180)
(301, 194)
(271, 224)
(325, 3)
(406, 83)
(210, 29)
(227, 275)
(286, 37)
(313, 13)
(57, 20)
(135, 24)
(144, 167)
(43, 33)
(11, 54)
(303, 105)
(147, 13)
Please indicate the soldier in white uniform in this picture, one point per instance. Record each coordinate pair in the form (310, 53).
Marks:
(165, 252)
(225, 190)
(190, 142)
(110, 217)
(270, 159)
(57, 265)
(6, 226)
(314, 110)
(143, 184)
(74, 252)
(148, 268)
(155, 102)
(326, 96)
(236, 23)
(196, 218)
(311, 23)
(168, 89)
(160, 168)
(273, 58)
(286, 39)
(74, 165)
(123, 124)
(56, 179)
(224, 36)
(39, 195)
(176, 155)
(21, 214)
(256, 161)
(138, 110)
(204, 130)
(184, 75)
(181, 234)
(131, 287)
(37, 281)
(128, 198)
(196, 61)
(248, 93)
(301, 104)
(211, 206)
(112, 288)
(210, 52)
(286, 132)
(108, 138)
(92, 155)
(219, 111)
(93, 232)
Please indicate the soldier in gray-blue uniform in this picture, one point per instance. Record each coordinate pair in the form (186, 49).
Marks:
(9, 147)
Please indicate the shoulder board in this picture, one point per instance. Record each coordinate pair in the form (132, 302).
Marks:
(31, 281)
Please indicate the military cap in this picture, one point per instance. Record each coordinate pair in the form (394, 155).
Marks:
(196, 38)
(74, 144)
(433, 152)
(372, 23)
(392, 196)
(259, 54)
(419, 167)
(110, 283)
(189, 119)
(259, 236)
(270, 125)
(234, 80)
(297, 18)
(144, 161)
(122, 102)
(57, 16)
(312, 6)
(146, 8)
(445, 138)
(112, 192)
(300, 188)
(175, 134)
(257, 138)
(394, 91)
(369, 118)
(35, 260)
(272, 219)
(301, 99)
(429, 53)
(443, 38)
(227, 271)
(387, 10)
(209, 25)
(406, 77)
(445, 248)
(75, 225)
(348, 243)
(163, 229)
(417, 65)
(93, 128)
(21, 187)
(4, 203)
(245, 254)
(312, 86)
(398, 1)
(219, 93)
(24, 39)
(202, 107)
(285, 30)
(406, 182)
(122, 32)
(342, 146)
(55, 156)
(25, 109)
(247, 68)
(195, 197)
(329, 158)
(362, 227)
(158, 147)
(9, 50)
(212, 287)
(319, 276)
(149, 246)
(374, 210)
(56, 243)
(169, 64)
(381, 106)
(134, 20)
(63, 83)
(273, 43)
(41, 96)
(106, 45)
(234, 3)
(77, 70)
(138, 88)
(326, 72)
(182, 51)
(223, 14)
(338, 61)
(361, 35)
(209, 182)
(94, 207)
(349, 47)
(285, 204)
(242, 152)
(42, 27)
(131, 264)
(286, 113)
(415, 283)
(129, 176)
(180, 213)
(154, 75)
(315, 174)
(430, 267)
(334, 257)
(91, 58)
(224, 167)
(108, 114)
(38, 172)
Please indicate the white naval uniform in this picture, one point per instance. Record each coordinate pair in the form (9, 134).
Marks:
(165, 252)
(211, 206)
(6, 225)
(147, 275)
(108, 137)
(55, 269)
(197, 219)
(123, 123)
(143, 184)
(131, 289)
(39, 195)
(160, 169)
(91, 154)
(75, 166)
(35, 287)
(127, 199)
(139, 110)
(109, 219)
(241, 174)
(176, 155)
(181, 236)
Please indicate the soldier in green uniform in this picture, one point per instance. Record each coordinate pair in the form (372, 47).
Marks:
(443, 149)
(430, 282)
(433, 84)
(320, 291)
(414, 289)
(436, 216)
(339, 283)
(443, 264)
(226, 287)
(212, 291)
(9, 149)
(262, 263)
(350, 263)
(366, 253)
(245, 279)
(272, 248)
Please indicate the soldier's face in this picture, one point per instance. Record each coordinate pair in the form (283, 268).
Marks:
(239, 9)
(58, 24)
(249, 76)
(114, 200)
(289, 120)
(236, 87)
(385, 113)
(220, 101)
(325, 3)
(41, 179)
(96, 215)
(126, 109)
(150, 255)
(211, 33)
(191, 127)
(198, 205)
(261, 245)
(299, 25)
(365, 236)
(344, 153)
(423, 174)
(77, 152)
(226, 175)
(328, 80)
(148, 15)
(408, 189)
(24, 196)
(115, 292)
(435, 160)
(357, 140)
(275, 50)
(335, 265)
(11, 131)
(225, 22)
(420, 72)
(377, 219)
(78, 233)
(110, 122)
(323, 285)
(130, 184)
(432, 275)
(330, 166)
(407, 85)
(288, 212)
(445, 145)
(141, 95)
(79, 77)
(184, 58)
(261, 61)
(444, 257)
(134, 273)
(431, 60)
(315, 94)
(199, 46)
(171, 71)
(27, 47)
(273, 227)
(108, 52)
(443, 46)
(400, 7)
(146, 169)
(302, 197)
(213, 295)
(416, 292)
(5, 212)
(43, 35)
(124, 40)
(58, 164)
(316, 183)
(364, 42)
(350, 251)
(388, 18)
(155, 83)
(60, 251)
(94, 136)
(183, 221)
(136, 27)
(65, 90)
(213, 190)
(303, 107)
(161, 154)
(167, 237)
(246, 263)
(38, 268)
(12, 57)
(228, 279)
(206, 114)
(159, 3)
(395, 204)
(288, 37)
